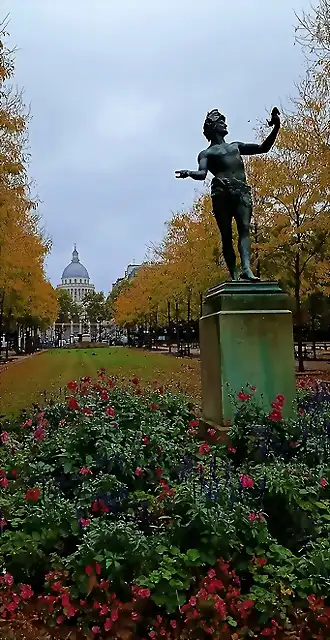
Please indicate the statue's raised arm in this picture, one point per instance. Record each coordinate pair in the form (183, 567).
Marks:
(247, 149)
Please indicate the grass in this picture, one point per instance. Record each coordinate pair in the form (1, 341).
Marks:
(25, 382)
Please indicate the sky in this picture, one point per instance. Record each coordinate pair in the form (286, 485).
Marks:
(118, 93)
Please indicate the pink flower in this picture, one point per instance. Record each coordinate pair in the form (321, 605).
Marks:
(27, 423)
(104, 395)
(84, 471)
(211, 574)
(85, 522)
(8, 579)
(39, 433)
(252, 517)
(96, 629)
(193, 601)
(232, 450)
(26, 591)
(246, 481)
(108, 624)
(139, 471)
(145, 440)
(60, 619)
(4, 436)
(323, 482)
(134, 615)
(244, 397)
(4, 483)
(114, 615)
(173, 624)
(211, 432)
(3, 523)
(204, 448)
(104, 610)
(110, 412)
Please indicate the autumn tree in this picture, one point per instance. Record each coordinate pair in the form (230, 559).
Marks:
(293, 187)
(24, 290)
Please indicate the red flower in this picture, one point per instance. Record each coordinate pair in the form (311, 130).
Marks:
(8, 579)
(275, 415)
(261, 561)
(39, 433)
(246, 481)
(84, 471)
(32, 495)
(104, 610)
(14, 473)
(232, 450)
(161, 390)
(99, 506)
(96, 629)
(4, 436)
(135, 380)
(211, 432)
(114, 615)
(134, 615)
(3, 523)
(73, 404)
(244, 397)
(87, 411)
(85, 522)
(145, 440)
(211, 574)
(159, 470)
(204, 448)
(60, 619)
(108, 624)
(72, 386)
(27, 423)
(110, 412)
(154, 406)
(98, 568)
(139, 471)
(323, 482)
(173, 624)
(252, 517)
(280, 399)
(4, 483)
(89, 570)
(26, 591)
(104, 395)
(248, 604)
(194, 424)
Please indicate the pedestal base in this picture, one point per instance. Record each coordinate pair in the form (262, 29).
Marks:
(245, 339)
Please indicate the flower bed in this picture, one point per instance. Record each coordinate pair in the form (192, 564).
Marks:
(117, 521)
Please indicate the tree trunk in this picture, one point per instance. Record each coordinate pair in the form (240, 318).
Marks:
(188, 324)
(169, 325)
(2, 302)
(177, 326)
(301, 367)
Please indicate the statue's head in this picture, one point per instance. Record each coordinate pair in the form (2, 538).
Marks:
(214, 123)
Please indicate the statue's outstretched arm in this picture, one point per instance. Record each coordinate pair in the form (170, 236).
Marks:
(195, 175)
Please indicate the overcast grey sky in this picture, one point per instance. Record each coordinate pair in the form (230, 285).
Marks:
(119, 92)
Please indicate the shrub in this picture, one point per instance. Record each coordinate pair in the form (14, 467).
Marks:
(118, 521)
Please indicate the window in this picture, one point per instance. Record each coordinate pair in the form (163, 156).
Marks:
(75, 280)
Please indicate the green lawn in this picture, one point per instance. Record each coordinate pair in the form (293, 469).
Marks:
(24, 383)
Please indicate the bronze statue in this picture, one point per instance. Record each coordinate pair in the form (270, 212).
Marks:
(231, 195)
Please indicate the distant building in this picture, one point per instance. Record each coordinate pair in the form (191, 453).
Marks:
(75, 279)
(130, 272)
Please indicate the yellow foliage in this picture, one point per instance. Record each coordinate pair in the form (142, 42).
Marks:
(24, 289)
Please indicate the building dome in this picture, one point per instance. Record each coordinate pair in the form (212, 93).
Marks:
(75, 269)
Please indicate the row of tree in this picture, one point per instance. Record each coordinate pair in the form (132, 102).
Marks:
(27, 299)
(291, 220)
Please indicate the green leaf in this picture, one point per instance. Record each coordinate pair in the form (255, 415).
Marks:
(232, 622)
(193, 554)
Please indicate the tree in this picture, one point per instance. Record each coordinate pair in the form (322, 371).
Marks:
(295, 222)
(24, 290)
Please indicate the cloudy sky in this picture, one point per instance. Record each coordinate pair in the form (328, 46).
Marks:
(118, 93)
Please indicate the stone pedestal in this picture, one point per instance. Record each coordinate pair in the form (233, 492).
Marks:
(245, 338)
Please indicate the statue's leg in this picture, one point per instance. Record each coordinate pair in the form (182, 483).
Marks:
(223, 215)
(242, 216)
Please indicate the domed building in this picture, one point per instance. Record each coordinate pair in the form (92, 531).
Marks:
(75, 279)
